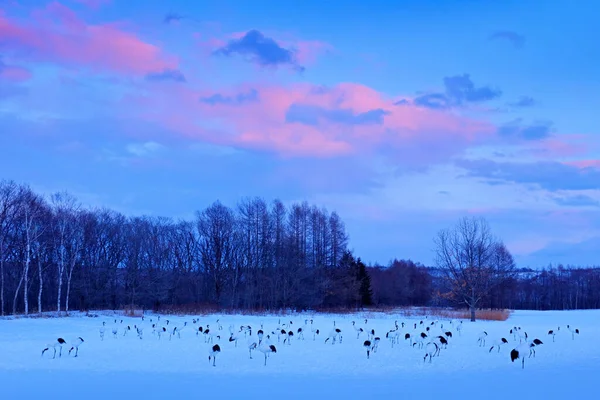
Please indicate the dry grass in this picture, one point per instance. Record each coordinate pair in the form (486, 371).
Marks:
(485, 315)
(188, 309)
(133, 311)
(406, 312)
(436, 312)
(36, 315)
(490, 315)
(203, 310)
(371, 313)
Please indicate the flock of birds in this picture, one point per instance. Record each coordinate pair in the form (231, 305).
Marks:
(431, 336)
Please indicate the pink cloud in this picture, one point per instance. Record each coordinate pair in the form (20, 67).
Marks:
(55, 34)
(307, 51)
(209, 44)
(14, 74)
(584, 163)
(560, 146)
(261, 123)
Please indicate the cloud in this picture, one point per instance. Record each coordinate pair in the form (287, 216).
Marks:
(238, 99)
(13, 73)
(435, 101)
(305, 120)
(172, 17)
(307, 51)
(585, 163)
(524, 101)
(166, 75)
(515, 129)
(144, 149)
(261, 50)
(579, 200)
(311, 114)
(11, 90)
(56, 34)
(564, 146)
(459, 91)
(207, 149)
(549, 175)
(402, 102)
(516, 39)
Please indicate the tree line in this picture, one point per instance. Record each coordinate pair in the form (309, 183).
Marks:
(474, 269)
(56, 255)
(551, 288)
(406, 283)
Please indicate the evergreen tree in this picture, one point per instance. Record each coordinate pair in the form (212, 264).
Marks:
(365, 291)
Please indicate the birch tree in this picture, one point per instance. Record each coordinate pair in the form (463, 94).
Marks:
(40, 281)
(74, 245)
(30, 223)
(64, 207)
(43, 248)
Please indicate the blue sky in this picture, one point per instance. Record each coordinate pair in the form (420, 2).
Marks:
(401, 116)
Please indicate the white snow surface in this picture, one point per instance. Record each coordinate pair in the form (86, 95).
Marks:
(153, 368)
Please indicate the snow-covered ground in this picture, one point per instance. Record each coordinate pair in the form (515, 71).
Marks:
(151, 368)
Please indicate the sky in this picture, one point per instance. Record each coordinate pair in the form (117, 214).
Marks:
(401, 116)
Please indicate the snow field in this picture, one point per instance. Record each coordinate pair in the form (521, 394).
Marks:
(306, 367)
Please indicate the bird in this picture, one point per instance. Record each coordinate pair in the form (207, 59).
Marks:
(75, 345)
(60, 342)
(213, 353)
(267, 349)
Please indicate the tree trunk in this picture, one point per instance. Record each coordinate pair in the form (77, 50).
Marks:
(2, 277)
(69, 276)
(26, 276)
(68, 290)
(17, 295)
(472, 304)
(61, 269)
(59, 291)
(41, 285)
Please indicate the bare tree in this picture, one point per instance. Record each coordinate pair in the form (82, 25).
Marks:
(74, 250)
(254, 256)
(65, 207)
(31, 227)
(40, 280)
(339, 239)
(216, 228)
(8, 196)
(473, 261)
(42, 250)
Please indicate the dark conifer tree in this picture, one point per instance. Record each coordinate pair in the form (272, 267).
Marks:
(365, 292)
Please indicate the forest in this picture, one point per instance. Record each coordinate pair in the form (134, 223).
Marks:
(57, 255)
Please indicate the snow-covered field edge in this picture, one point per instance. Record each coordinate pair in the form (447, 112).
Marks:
(158, 368)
